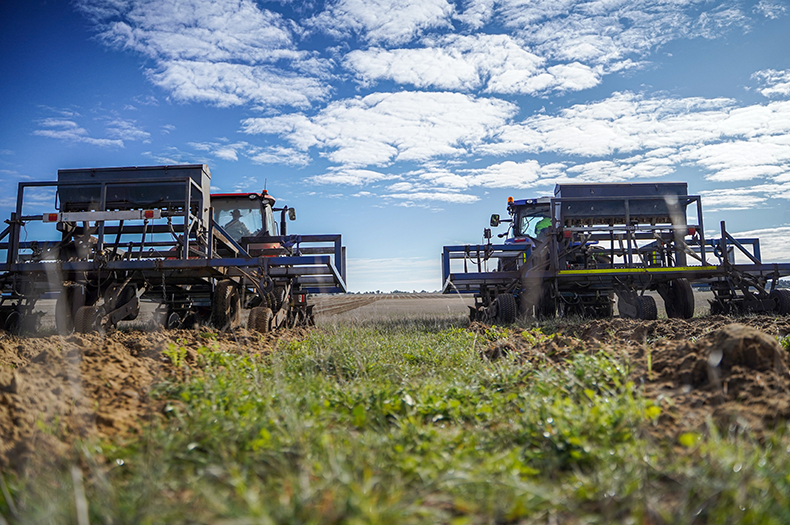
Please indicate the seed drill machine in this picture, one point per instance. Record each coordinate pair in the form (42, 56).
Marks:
(109, 238)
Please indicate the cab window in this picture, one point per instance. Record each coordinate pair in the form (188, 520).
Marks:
(531, 221)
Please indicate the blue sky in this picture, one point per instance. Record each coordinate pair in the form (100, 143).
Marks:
(404, 124)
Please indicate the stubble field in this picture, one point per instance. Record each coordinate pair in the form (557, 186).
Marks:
(395, 410)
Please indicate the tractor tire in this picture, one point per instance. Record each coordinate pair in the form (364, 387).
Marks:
(646, 308)
(782, 299)
(506, 309)
(87, 318)
(226, 306)
(260, 319)
(681, 303)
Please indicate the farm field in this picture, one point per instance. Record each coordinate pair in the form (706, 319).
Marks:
(395, 410)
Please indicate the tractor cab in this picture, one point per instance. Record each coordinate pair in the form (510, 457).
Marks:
(245, 214)
(531, 217)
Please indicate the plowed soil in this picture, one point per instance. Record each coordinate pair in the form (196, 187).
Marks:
(54, 389)
(732, 372)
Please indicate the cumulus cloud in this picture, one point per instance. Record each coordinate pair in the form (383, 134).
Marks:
(385, 127)
(222, 52)
(389, 21)
(605, 32)
(729, 142)
(774, 83)
(495, 63)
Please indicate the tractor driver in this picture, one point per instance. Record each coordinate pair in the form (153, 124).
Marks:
(541, 228)
(235, 227)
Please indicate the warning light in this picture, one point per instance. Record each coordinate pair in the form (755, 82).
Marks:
(692, 230)
(510, 200)
(148, 214)
(51, 217)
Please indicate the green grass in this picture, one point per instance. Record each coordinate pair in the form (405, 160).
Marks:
(403, 422)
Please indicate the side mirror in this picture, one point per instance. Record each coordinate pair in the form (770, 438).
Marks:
(495, 220)
(292, 214)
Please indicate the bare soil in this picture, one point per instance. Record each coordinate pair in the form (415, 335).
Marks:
(54, 389)
(732, 372)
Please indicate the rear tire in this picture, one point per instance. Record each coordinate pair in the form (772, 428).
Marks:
(226, 307)
(681, 300)
(506, 309)
(260, 319)
(782, 299)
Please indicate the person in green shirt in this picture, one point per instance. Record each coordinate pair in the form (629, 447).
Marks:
(542, 226)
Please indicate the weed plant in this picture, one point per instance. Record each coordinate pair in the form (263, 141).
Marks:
(404, 422)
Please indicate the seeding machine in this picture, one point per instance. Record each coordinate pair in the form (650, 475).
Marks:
(116, 237)
(572, 253)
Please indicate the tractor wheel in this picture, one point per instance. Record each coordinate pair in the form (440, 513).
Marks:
(681, 303)
(646, 308)
(782, 299)
(87, 318)
(260, 319)
(506, 308)
(226, 306)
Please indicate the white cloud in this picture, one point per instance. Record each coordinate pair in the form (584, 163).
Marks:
(278, 155)
(126, 130)
(225, 84)
(606, 31)
(732, 143)
(441, 196)
(773, 242)
(351, 177)
(775, 83)
(221, 52)
(389, 21)
(496, 63)
(768, 9)
(385, 127)
(70, 131)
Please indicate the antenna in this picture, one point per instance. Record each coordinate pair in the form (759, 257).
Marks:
(264, 183)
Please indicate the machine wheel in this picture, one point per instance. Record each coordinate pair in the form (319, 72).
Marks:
(506, 308)
(126, 295)
(782, 299)
(646, 308)
(681, 300)
(547, 305)
(12, 323)
(260, 319)
(87, 318)
(226, 306)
